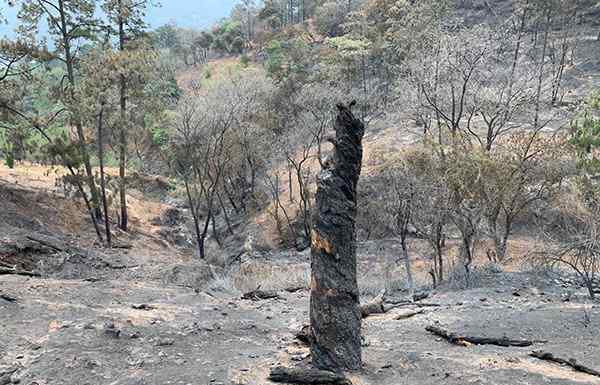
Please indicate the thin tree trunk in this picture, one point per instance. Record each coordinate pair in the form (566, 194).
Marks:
(95, 201)
(75, 178)
(538, 94)
(203, 235)
(225, 215)
(502, 248)
(517, 51)
(192, 205)
(215, 231)
(123, 134)
(556, 84)
(290, 183)
(409, 277)
(334, 302)
(102, 177)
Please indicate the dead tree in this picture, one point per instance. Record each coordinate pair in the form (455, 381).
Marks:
(335, 314)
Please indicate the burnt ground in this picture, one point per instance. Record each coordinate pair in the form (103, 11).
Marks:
(60, 331)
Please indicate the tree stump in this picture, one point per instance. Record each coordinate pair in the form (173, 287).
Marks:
(335, 314)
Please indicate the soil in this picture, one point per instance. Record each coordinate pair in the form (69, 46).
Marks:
(64, 332)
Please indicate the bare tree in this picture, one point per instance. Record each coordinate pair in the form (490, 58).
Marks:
(401, 205)
(575, 243)
(202, 148)
(447, 81)
(430, 203)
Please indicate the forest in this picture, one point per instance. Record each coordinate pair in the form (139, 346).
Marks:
(304, 192)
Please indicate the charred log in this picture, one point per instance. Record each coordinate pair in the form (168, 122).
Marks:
(257, 295)
(461, 340)
(9, 271)
(545, 356)
(306, 376)
(376, 306)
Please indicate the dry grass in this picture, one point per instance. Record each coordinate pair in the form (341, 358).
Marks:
(269, 276)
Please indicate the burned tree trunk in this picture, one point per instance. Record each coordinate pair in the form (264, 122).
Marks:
(335, 314)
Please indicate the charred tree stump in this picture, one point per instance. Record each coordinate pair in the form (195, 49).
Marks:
(335, 314)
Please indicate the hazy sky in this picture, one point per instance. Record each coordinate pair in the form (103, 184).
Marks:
(185, 13)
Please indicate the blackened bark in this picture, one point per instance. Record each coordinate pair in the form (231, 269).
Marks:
(334, 302)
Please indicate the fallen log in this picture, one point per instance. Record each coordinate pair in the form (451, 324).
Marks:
(93, 279)
(546, 356)
(122, 246)
(413, 304)
(420, 296)
(257, 295)
(405, 314)
(13, 271)
(8, 298)
(143, 306)
(294, 289)
(404, 300)
(376, 306)
(307, 376)
(456, 339)
(49, 244)
(304, 335)
(6, 374)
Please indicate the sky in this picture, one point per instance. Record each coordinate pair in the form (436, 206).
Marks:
(185, 13)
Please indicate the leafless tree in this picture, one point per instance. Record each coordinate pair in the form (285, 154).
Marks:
(575, 242)
(216, 144)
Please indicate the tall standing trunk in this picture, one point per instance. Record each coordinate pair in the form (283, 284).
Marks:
(502, 239)
(538, 94)
(102, 177)
(409, 277)
(66, 40)
(122, 134)
(78, 184)
(334, 299)
(196, 216)
(515, 61)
